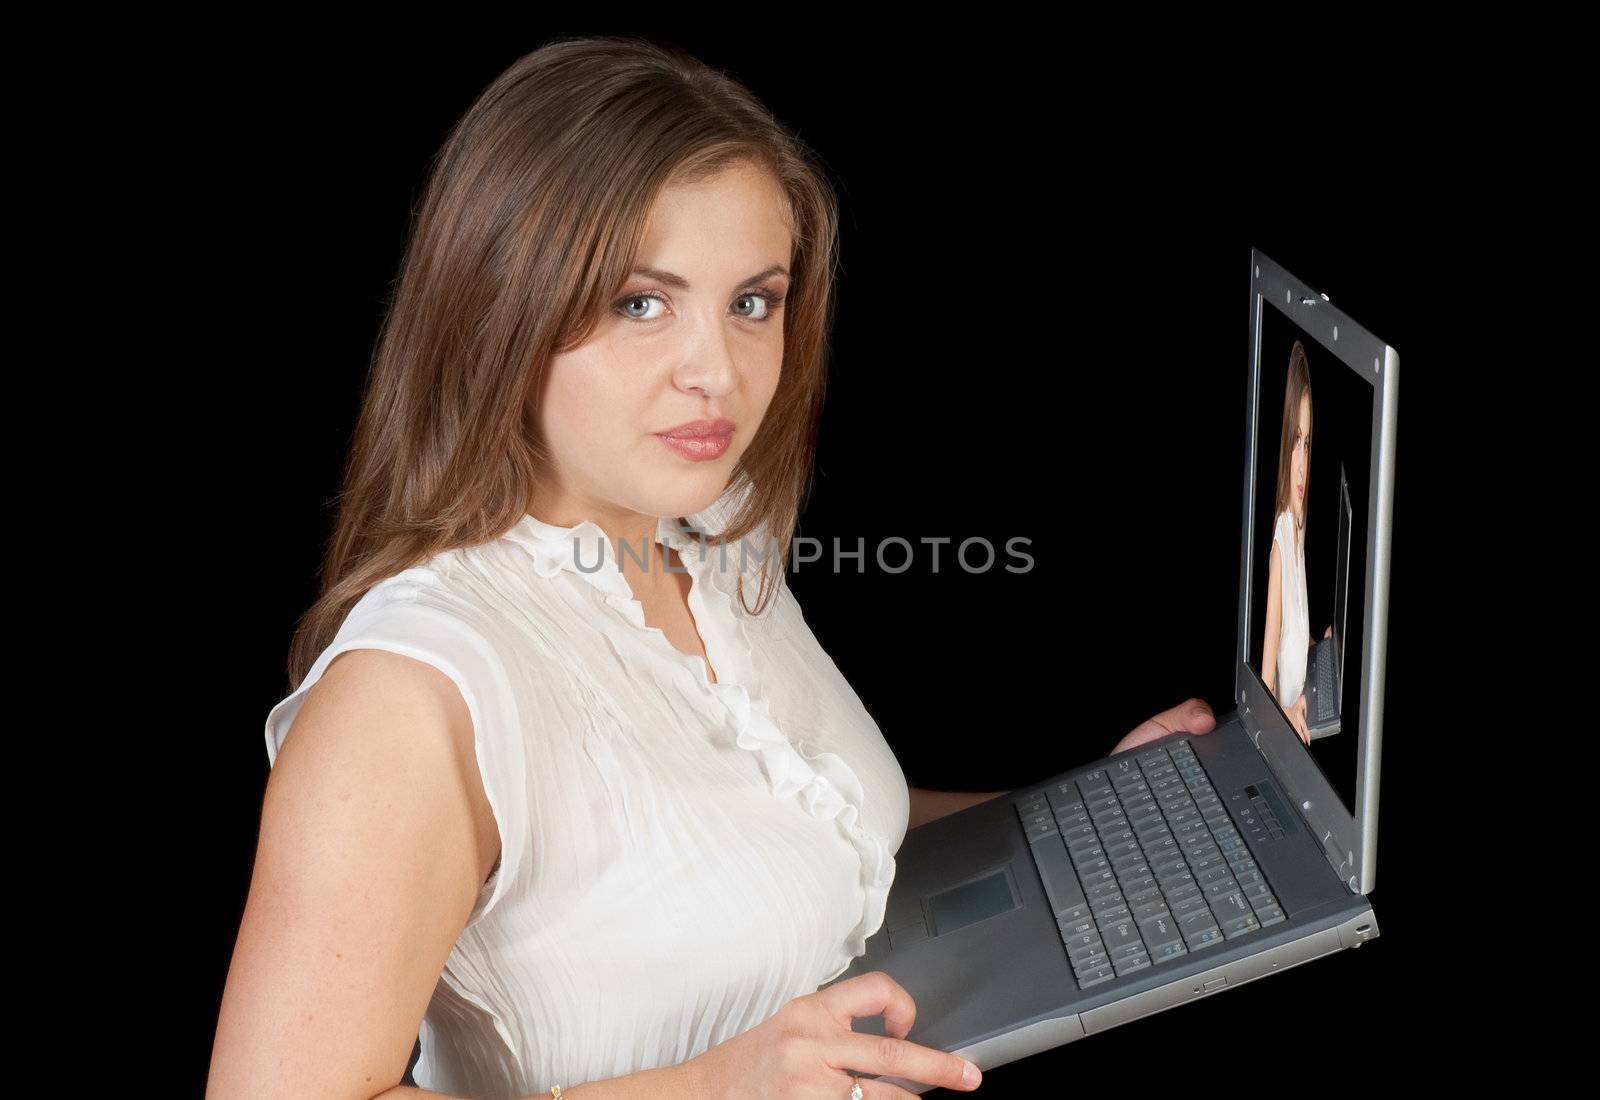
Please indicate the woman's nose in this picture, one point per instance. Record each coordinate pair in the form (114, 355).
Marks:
(709, 365)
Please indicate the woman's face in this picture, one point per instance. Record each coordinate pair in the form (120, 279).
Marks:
(698, 336)
(1300, 458)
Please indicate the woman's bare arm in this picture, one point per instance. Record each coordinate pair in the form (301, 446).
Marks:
(928, 805)
(376, 836)
(1269, 640)
(667, 1083)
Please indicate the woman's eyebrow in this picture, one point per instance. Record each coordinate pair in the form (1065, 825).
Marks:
(679, 282)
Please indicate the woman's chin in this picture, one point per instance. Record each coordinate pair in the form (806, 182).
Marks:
(687, 494)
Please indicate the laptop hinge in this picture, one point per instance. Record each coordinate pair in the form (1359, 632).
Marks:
(1343, 862)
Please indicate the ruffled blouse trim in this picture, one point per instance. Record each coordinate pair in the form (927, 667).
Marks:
(825, 786)
(583, 550)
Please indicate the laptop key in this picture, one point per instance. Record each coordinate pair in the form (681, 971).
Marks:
(1184, 817)
(1156, 907)
(1238, 926)
(1060, 882)
(1076, 912)
(1112, 912)
(1094, 954)
(1095, 873)
(1123, 849)
(1138, 881)
(1173, 869)
(1087, 852)
(1122, 951)
(1269, 914)
(1131, 963)
(1174, 887)
(1184, 899)
(1120, 934)
(1145, 898)
(1096, 976)
(1038, 830)
(1135, 876)
(1103, 890)
(1116, 835)
(1076, 926)
(1231, 906)
(1160, 931)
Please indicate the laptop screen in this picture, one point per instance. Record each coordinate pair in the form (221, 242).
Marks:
(1315, 429)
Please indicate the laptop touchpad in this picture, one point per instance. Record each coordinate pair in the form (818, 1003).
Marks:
(971, 902)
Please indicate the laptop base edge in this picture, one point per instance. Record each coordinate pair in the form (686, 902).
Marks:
(1044, 1035)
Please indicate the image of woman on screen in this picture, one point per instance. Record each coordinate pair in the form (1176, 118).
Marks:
(1287, 641)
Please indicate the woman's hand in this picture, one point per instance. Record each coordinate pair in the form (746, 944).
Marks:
(1192, 716)
(1297, 718)
(807, 1051)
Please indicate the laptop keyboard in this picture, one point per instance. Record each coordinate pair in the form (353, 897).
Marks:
(1324, 682)
(1142, 865)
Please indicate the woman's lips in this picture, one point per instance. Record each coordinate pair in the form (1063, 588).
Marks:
(698, 448)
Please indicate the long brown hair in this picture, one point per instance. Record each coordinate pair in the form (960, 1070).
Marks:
(529, 224)
(1299, 382)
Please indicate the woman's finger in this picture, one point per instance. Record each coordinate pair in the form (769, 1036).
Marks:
(874, 993)
(887, 1056)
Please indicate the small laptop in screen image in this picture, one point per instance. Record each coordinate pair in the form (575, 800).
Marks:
(1325, 683)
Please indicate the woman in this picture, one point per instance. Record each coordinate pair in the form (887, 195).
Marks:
(556, 795)
(1287, 638)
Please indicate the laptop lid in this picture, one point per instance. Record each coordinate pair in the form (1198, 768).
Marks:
(1301, 344)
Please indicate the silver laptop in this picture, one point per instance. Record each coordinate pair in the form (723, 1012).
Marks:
(1193, 864)
(1326, 683)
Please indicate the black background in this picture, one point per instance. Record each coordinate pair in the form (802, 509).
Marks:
(1042, 332)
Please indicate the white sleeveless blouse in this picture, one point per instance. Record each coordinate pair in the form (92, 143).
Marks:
(679, 858)
(1295, 628)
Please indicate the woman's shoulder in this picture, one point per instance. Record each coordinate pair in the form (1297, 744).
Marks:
(448, 604)
(436, 584)
(437, 612)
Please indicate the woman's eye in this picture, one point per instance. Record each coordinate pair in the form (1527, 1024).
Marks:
(634, 300)
(767, 302)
